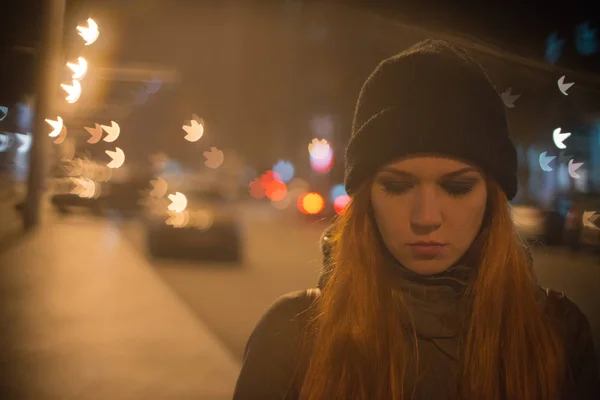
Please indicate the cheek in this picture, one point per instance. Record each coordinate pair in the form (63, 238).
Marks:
(392, 215)
(463, 219)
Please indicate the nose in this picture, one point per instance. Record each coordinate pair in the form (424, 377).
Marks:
(426, 214)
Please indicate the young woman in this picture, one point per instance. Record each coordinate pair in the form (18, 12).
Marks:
(428, 291)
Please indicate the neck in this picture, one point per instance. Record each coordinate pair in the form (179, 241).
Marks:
(457, 277)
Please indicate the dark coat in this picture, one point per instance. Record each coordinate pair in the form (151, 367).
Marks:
(273, 368)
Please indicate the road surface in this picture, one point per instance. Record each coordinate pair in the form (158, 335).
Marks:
(282, 255)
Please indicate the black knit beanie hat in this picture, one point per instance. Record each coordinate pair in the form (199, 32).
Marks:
(430, 99)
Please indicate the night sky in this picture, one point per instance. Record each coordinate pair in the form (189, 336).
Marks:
(523, 27)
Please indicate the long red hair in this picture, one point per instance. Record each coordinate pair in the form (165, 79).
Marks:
(359, 347)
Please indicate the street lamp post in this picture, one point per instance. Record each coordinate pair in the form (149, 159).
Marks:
(48, 62)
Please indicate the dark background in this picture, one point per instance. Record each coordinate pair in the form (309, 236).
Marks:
(257, 71)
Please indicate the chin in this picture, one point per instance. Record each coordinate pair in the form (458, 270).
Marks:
(427, 267)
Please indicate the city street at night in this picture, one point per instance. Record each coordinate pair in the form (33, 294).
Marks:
(168, 169)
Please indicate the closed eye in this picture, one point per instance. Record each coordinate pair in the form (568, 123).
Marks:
(453, 188)
(458, 188)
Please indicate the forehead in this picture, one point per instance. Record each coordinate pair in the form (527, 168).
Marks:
(429, 166)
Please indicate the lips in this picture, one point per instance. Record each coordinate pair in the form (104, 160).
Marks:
(427, 249)
(426, 243)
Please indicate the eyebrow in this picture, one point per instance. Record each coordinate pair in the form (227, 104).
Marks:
(405, 174)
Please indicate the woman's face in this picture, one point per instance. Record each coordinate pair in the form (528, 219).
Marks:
(428, 210)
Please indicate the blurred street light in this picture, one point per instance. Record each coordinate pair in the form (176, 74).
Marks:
(79, 69)
(90, 33)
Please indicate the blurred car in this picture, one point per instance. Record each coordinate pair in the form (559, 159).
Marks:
(63, 198)
(209, 227)
(582, 222)
(114, 189)
(535, 224)
(125, 189)
(529, 221)
(590, 230)
(125, 197)
(63, 204)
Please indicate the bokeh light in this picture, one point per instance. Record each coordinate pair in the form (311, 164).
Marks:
(323, 165)
(90, 32)
(340, 203)
(285, 170)
(268, 177)
(276, 191)
(311, 203)
(319, 149)
(337, 191)
(178, 219)
(321, 156)
(586, 40)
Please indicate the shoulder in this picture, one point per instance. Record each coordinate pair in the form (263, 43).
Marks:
(581, 354)
(283, 323)
(296, 300)
(273, 355)
(290, 308)
(563, 307)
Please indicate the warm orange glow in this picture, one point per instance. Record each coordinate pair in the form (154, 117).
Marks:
(311, 203)
(79, 69)
(73, 91)
(61, 136)
(117, 156)
(319, 149)
(178, 202)
(159, 187)
(276, 191)
(268, 178)
(90, 33)
(56, 126)
(195, 130)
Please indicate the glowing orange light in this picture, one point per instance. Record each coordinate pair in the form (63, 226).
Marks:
(311, 203)
(276, 191)
(90, 33)
(269, 177)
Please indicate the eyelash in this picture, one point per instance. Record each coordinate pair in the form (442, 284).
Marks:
(453, 189)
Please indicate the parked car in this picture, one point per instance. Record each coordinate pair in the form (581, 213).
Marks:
(209, 227)
(122, 197)
(63, 198)
(582, 222)
(125, 197)
(535, 224)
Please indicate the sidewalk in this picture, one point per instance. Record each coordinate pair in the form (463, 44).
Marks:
(11, 225)
(84, 317)
(11, 221)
